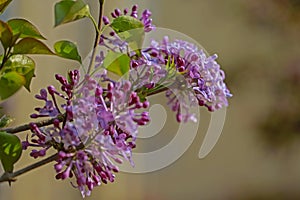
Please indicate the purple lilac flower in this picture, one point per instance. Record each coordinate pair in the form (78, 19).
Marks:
(190, 77)
(201, 73)
(99, 129)
(147, 74)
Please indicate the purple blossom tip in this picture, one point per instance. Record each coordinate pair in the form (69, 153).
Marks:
(34, 115)
(117, 12)
(25, 144)
(51, 89)
(135, 7)
(35, 154)
(105, 20)
(113, 15)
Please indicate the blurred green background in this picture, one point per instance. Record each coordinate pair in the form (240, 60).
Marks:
(258, 154)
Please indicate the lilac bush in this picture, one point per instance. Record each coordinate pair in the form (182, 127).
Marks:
(94, 118)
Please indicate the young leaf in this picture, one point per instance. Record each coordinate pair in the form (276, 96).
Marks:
(117, 63)
(10, 150)
(3, 5)
(129, 29)
(6, 35)
(134, 38)
(31, 46)
(10, 83)
(68, 11)
(24, 29)
(18, 71)
(67, 49)
(28, 77)
(5, 120)
(126, 23)
(23, 65)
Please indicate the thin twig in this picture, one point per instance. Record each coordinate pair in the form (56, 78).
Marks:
(98, 36)
(157, 91)
(26, 127)
(10, 177)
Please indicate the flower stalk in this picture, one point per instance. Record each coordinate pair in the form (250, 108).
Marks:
(98, 36)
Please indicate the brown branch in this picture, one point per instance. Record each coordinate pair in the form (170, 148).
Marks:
(26, 127)
(11, 177)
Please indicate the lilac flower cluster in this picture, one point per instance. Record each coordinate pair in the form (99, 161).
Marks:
(202, 74)
(99, 129)
(188, 76)
(100, 124)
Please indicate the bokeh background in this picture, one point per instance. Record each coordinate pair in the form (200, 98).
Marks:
(258, 154)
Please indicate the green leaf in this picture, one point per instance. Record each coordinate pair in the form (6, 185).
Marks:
(134, 38)
(126, 23)
(68, 11)
(23, 65)
(6, 34)
(3, 5)
(10, 150)
(10, 83)
(117, 63)
(67, 49)
(129, 29)
(28, 77)
(18, 71)
(5, 120)
(31, 46)
(24, 29)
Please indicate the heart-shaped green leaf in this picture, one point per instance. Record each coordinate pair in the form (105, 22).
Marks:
(10, 83)
(3, 5)
(18, 71)
(24, 29)
(31, 46)
(69, 11)
(130, 30)
(67, 49)
(10, 150)
(126, 23)
(117, 63)
(6, 35)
